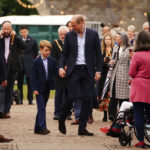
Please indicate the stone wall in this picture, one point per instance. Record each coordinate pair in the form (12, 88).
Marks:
(122, 12)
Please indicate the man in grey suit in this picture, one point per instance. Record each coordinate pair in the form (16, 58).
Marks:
(81, 53)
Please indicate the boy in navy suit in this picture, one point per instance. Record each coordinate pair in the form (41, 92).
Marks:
(43, 70)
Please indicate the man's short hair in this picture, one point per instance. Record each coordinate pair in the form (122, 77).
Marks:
(80, 18)
(7, 21)
(45, 43)
(24, 27)
(63, 28)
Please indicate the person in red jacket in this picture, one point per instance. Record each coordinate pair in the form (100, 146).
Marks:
(140, 84)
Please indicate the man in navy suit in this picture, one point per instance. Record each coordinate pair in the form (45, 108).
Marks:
(30, 52)
(43, 70)
(82, 53)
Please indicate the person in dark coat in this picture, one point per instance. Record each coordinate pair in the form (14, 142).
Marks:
(82, 54)
(43, 70)
(3, 83)
(60, 84)
(11, 47)
(30, 53)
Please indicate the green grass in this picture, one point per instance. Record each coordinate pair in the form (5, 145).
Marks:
(52, 92)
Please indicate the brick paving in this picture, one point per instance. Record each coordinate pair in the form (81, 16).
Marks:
(20, 128)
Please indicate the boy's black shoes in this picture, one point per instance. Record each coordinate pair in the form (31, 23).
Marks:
(42, 131)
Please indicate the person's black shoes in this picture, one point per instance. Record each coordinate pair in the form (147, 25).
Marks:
(4, 139)
(56, 118)
(69, 118)
(84, 132)
(31, 103)
(104, 119)
(105, 116)
(62, 127)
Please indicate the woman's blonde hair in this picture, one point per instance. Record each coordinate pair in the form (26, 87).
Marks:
(103, 45)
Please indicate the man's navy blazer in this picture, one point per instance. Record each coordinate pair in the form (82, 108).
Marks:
(38, 74)
(93, 56)
(30, 52)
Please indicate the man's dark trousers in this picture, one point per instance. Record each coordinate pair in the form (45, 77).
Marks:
(9, 90)
(60, 96)
(79, 80)
(20, 86)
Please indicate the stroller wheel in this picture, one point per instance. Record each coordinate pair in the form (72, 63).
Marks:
(123, 139)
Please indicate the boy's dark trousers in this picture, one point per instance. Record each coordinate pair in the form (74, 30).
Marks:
(41, 101)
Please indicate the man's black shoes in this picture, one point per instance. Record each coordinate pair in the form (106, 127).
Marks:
(62, 127)
(84, 132)
(56, 118)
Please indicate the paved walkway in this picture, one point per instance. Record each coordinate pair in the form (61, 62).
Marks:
(20, 128)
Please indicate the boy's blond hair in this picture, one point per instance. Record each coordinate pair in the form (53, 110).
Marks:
(45, 43)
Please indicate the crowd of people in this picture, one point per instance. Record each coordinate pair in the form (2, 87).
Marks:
(77, 65)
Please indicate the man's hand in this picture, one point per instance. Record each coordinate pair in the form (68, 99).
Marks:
(1, 34)
(111, 63)
(131, 55)
(62, 73)
(129, 81)
(4, 83)
(65, 68)
(36, 92)
(13, 33)
(97, 76)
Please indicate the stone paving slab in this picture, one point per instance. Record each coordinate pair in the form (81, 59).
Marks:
(47, 146)
(20, 127)
(9, 146)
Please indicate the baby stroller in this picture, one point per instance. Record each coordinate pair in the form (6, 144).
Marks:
(123, 127)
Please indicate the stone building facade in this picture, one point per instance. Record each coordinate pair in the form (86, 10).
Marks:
(121, 12)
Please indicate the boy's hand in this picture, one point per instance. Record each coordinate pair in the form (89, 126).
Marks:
(36, 92)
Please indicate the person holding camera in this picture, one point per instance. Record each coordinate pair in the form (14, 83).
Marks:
(11, 47)
(107, 45)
